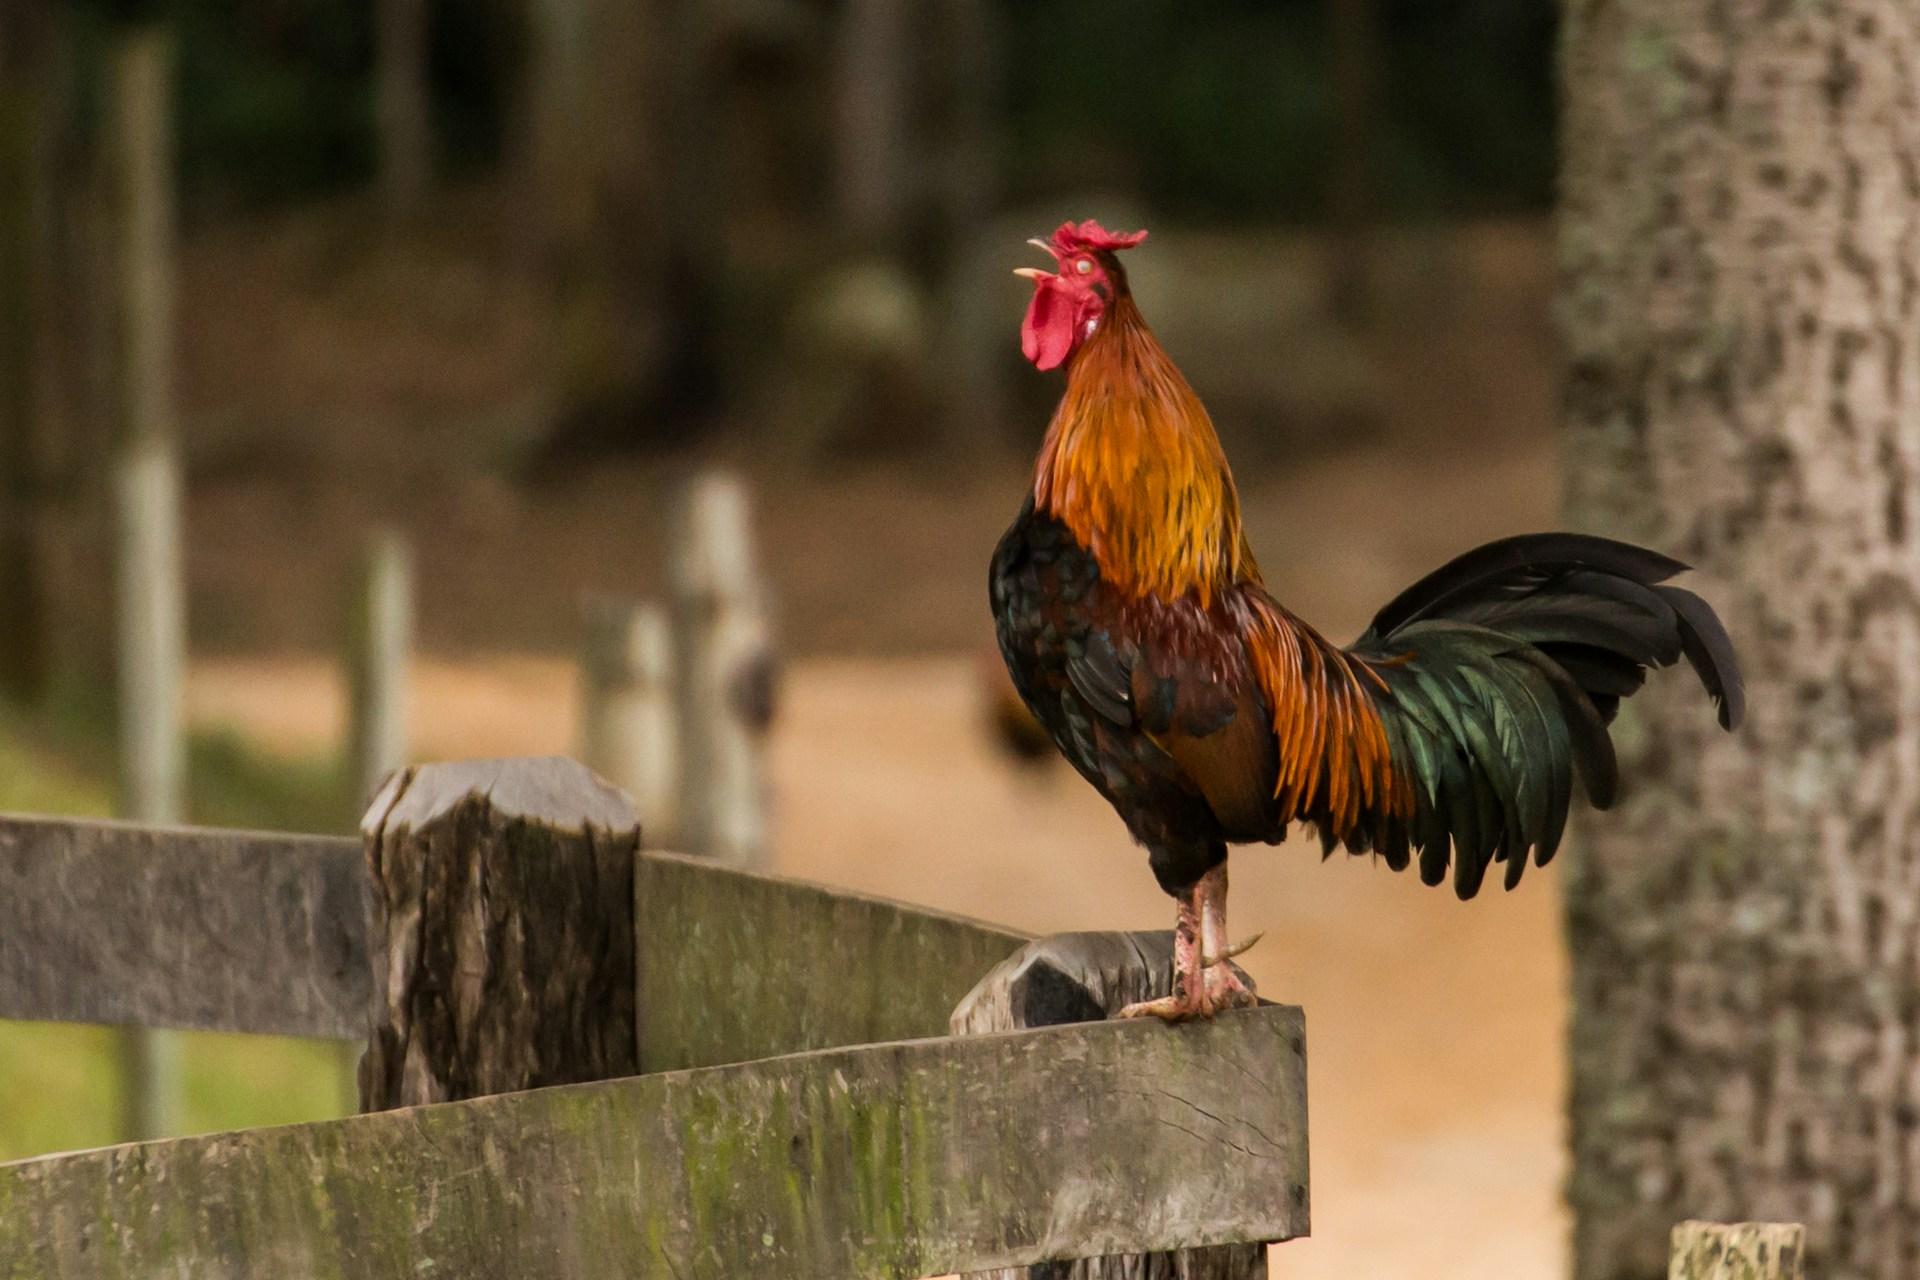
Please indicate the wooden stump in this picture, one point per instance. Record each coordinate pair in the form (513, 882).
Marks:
(1738, 1251)
(1089, 977)
(502, 937)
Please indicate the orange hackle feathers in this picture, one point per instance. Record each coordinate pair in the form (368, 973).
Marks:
(1133, 467)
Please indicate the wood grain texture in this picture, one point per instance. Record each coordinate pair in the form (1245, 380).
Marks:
(1738, 1251)
(897, 1160)
(502, 939)
(735, 966)
(182, 927)
(1088, 977)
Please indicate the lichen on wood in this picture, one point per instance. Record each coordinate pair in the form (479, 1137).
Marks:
(896, 1160)
(1737, 1251)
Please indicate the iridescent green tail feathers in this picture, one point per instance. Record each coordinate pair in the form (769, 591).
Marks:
(1498, 675)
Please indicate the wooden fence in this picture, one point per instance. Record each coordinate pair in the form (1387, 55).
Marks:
(751, 1076)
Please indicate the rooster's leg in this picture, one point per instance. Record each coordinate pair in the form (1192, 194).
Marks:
(1203, 981)
(1224, 989)
(1189, 998)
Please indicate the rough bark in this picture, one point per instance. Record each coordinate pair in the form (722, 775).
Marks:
(1089, 977)
(1741, 228)
(1738, 1251)
(502, 940)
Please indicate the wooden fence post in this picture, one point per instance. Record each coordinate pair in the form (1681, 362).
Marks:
(149, 587)
(1738, 1251)
(725, 672)
(627, 730)
(1088, 977)
(502, 939)
(379, 644)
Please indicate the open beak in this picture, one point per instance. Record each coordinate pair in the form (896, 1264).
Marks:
(1035, 273)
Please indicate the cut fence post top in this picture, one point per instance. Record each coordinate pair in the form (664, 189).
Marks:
(893, 1160)
(1088, 977)
(1738, 1251)
(550, 790)
(502, 937)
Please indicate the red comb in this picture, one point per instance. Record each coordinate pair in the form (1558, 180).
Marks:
(1073, 237)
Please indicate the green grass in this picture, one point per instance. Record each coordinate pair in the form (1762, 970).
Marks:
(60, 1084)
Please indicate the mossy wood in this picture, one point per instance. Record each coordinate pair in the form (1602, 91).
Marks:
(736, 966)
(502, 933)
(1088, 977)
(180, 927)
(896, 1160)
(1738, 1251)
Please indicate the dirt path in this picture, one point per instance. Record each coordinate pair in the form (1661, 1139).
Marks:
(1435, 1027)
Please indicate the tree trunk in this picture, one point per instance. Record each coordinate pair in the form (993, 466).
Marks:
(26, 51)
(403, 110)
(873, 150)
(1741, 227)
(1737, 1251)
(1354, 40)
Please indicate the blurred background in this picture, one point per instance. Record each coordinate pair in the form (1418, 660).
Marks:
(491, 280)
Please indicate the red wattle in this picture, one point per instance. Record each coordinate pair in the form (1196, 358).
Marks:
(1046, 335)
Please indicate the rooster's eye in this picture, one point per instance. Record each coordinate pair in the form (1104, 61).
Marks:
(1083, 266)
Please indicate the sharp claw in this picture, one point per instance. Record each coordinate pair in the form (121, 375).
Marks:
(1171, 1009)
(1238, 948)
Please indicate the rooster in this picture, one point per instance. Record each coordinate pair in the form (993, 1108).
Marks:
(1135, 625)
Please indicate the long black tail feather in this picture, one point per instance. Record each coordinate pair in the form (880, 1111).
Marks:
(1497, 676)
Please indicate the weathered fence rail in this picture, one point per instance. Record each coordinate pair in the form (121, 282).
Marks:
(886, 1160)
(182, 927)
(734, 965)
(217, 930)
